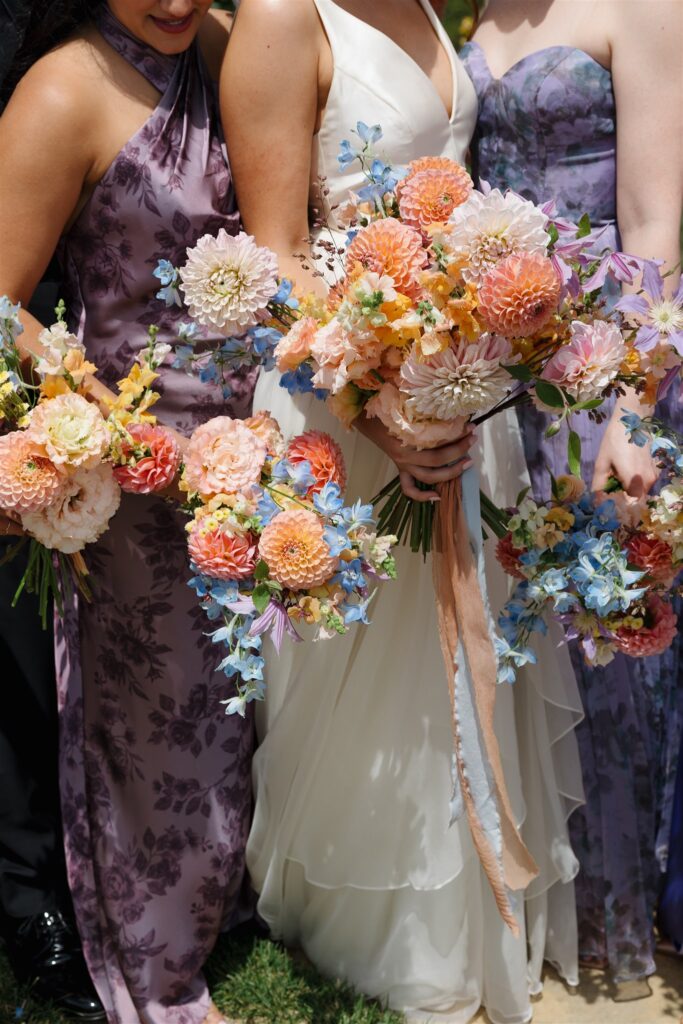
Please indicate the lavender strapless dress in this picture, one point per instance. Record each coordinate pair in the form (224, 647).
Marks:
(547, 129)
(155, 779)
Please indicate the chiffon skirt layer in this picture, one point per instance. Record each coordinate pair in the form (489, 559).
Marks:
(351, 849)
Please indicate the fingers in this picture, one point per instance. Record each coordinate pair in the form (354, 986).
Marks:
(440, 476)
(437, 458)
(411, 490)
(602, 472)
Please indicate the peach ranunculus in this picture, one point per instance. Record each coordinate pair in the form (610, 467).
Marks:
(392, 248)
(518, 296)
(390, 406)
(221, 554)
(72, 431)
(29, 481)
(344, 354)
(294, 549)
(324, 456)
(223, 457)
(295, 347)
(154, 471)
(267, 429)
(589, 362)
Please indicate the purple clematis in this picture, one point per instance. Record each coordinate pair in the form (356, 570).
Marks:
(620, 266)
(662, 317)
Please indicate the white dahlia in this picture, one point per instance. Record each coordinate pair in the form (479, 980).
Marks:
(81, 513)
(228, 281)
(463, 380)
(487, 228)
(71, 429)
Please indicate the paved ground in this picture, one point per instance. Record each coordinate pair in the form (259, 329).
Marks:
(592, 1002)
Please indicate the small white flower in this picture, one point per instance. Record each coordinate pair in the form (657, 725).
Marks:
(228, 281)
(486, 228)
(56, 342)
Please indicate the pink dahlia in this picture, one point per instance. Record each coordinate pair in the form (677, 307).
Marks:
(590, 360)
(653, 556)
(157, 468)
(324, 455)
(392, 248)
(223, 457)
(656, 636)
(429, 196)
(221, 555)
(29, 482)
(519, 294)
(294, 549)
(508, 555)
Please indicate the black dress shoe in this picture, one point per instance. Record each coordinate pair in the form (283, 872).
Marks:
(44, 952)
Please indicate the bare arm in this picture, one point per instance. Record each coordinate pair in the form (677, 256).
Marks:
(647, 70)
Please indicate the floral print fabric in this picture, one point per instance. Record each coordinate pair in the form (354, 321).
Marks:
(155, 779)
(547, 129)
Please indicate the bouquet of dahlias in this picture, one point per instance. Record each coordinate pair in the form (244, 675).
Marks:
(229, 285)
(273, 543)
(604, 565)
(452, 305)
(62, 463)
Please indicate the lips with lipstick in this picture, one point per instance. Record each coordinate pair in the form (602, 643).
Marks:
(174, 26)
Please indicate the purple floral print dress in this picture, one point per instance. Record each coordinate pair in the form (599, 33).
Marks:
(547, 129)
(155, 778)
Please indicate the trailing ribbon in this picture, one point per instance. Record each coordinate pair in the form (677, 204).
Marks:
(466, 645)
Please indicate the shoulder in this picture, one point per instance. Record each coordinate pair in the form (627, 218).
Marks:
(652, 27)
(59, 93)
(286, 18)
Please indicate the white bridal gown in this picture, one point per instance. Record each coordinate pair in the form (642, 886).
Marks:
(351, 849)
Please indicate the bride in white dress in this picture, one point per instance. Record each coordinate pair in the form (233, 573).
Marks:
(352, 851)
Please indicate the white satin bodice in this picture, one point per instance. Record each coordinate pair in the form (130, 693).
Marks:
(377, 82)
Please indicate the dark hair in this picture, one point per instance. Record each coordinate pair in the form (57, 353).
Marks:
(45, 24)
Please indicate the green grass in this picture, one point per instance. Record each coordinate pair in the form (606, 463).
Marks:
(252, 980)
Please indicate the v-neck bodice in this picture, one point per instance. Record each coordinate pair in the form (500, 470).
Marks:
(378, 82)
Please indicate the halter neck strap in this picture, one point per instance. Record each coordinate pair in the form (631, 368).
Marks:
(156, 67)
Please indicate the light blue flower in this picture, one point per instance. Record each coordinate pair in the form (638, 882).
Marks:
(357, 612)
(369, 135)
(346, 155)
(633, 424)
(336, 538)
(301, 381)
(167, 274)
(298, 474)
(328, 501)
(350, 576)
(358, 515)
(266, 508)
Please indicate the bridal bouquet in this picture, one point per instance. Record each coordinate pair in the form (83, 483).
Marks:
(62, 463)
(273, 543)
(604, 566)
(453, 304)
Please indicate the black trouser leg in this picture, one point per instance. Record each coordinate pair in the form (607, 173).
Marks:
(32, 869)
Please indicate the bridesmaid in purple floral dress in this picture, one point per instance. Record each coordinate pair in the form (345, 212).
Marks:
(155, 779)
(547, 128)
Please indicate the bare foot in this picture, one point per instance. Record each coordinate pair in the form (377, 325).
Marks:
(628, 991)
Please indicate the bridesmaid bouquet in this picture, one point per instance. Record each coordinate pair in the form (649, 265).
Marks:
(273, 543)
(604, 566)
(62, 463)
(452, 305)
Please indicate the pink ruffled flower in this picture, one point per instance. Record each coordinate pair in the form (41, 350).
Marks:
(80, 513)
(656, 636)
(391, 407)
(223, 457)
(156, 470)
(519, 294)
(220, 554)
(589, 362)
(29, 482)
(344, 355)
(267, 429)
(71, 429)
(295, 347)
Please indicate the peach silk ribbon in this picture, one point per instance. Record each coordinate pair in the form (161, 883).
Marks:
(463, 619)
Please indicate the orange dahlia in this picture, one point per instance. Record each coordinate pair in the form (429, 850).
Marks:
(294, 549)
(655, 636)
(428, 163)
(221, 555)
(390, 247)
(519, 295)
(431, 196)
(29, 481)
(324, 455)
(653, 556)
